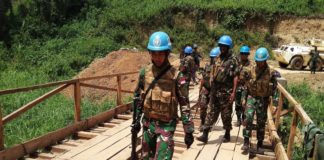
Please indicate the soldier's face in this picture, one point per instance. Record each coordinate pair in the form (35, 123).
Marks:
(223, 49)
(261, 64)
(158, 57)
(244, 57)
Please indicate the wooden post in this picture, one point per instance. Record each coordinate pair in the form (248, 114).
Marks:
(279, 108)
(119, 101)
(1, 131)
(77, 101)
(315, 148)
(292, 134)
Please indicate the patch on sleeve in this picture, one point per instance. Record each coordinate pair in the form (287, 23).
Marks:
(182, 80)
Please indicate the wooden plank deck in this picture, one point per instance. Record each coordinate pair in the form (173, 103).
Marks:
(112, 140)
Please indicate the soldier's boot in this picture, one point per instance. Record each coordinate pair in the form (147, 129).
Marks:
(204, 136)
(260, 150)
(227, 136)
(246, 144)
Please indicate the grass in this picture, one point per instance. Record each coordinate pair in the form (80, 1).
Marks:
(312, 102)
(54, 113)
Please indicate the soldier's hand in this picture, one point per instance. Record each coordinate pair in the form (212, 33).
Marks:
(189, 139)
(231, 99)
(136, 126)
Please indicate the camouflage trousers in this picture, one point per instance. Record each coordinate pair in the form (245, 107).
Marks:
(240, 95)
(203, 103)
(157, 142)
(219, 105)
(258, 105)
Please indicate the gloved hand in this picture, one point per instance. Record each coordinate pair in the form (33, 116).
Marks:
(136, 127)
(189, 139)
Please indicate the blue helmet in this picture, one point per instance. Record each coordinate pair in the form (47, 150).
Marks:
(261, 54)
(226, 40)
(245, 50)
(188, 50)
(214, 52)
(159, 41)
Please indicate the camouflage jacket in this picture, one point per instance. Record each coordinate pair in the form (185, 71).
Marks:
(206, 76)
(243, 69)
(261, 82)
(224, 72)
(181, 89)
(187, 64)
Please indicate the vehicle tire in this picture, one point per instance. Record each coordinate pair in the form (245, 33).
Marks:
(319, 65)
(283, 65)
(297, 63)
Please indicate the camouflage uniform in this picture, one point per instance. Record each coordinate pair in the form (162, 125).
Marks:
(160, 111)
(196, 55)
(314, 59)
(224, 72)
(261, 85)
(204, 93)
(187, 66)
(241, 90)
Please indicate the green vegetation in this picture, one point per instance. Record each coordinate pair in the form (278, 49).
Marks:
(313, 103)
(47, 40)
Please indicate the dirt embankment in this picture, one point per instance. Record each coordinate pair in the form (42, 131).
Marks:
(115, 62)
(299, 30)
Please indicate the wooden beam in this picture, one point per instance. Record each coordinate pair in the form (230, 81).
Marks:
(292, 134)
(279, 108)
(104, 88)
(77, 102)
(24, 89)
(16, 90)
(304, 117)
(51, 138)
(107, 76)
(119, 101)
(31, 104)
(1, 132)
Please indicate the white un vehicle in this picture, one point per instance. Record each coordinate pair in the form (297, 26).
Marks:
(298, 56)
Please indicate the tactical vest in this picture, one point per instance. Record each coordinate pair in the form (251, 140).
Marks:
(261, 87)
(224, 71)
(244, 69)
(161, 101)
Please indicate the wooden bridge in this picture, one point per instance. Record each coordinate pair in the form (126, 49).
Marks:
(107, 135)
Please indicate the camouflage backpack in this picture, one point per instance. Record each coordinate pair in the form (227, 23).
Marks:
(310, 132)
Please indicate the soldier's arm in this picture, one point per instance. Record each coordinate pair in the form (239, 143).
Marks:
(137, 94)
(236, 74)
(183, 98)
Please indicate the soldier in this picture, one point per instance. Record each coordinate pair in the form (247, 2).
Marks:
(314, 58)
(187, 64)
(196, 55)
(160, 89)
(205, 87)
(223, 87)
(241, 89)
(261, 83)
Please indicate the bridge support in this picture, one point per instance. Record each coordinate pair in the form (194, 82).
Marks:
(292, 135)
(77, 101)
(119, 101)
(1, 131)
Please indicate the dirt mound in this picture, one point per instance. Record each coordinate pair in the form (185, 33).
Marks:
(299, 30)
(115, 62)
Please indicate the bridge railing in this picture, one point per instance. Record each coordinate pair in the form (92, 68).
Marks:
(76, 83)
(298, 114)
